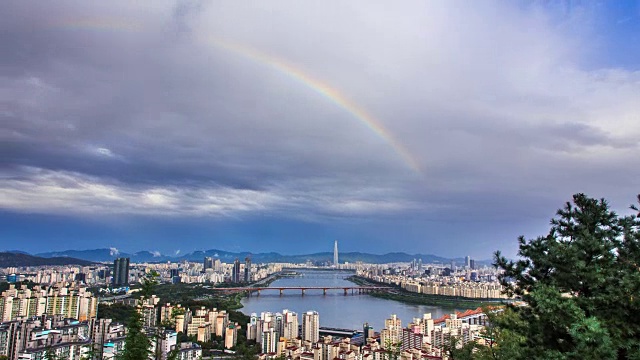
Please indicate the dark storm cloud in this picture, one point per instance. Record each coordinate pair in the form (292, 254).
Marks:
(126, 108)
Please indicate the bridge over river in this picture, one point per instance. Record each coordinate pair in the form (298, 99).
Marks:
(303, 289)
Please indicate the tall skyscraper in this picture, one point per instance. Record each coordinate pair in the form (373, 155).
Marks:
(235, 275)
(208, 263)
(121, 272)
(311, 326)
(335, 253)
(247, 269)
(467, 261)
(472, 264)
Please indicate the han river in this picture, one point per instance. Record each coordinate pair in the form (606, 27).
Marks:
(335, 309)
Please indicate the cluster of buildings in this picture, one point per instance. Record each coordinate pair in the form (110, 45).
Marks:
(202, 323)
(429, 337)
(44, 337)
(123, 273)
(71, 302)
(423, 338)
(276, 332)
(467, 281)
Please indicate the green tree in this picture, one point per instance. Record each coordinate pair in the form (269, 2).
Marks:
(501, 342)
(392, 350)
(50, 354)
(148, 284)
(457, 351)
(580, 284)
(136, 343)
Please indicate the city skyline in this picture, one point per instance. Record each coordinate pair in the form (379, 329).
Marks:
(447, 128)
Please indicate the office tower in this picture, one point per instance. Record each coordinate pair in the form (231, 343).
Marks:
(472, 264)
(235, 276)
(208, 263)
(121, 272)
(453, 266)
(247, 269)
(467, 261)
(311, 326)
(335, 253)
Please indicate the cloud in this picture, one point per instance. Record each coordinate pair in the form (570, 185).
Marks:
(105, 152)
(177, 252)
(508, 109)
(35, 190)
(113, 251)
(156, 253)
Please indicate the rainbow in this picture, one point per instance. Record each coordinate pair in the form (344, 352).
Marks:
(323, 89)
(280, 65)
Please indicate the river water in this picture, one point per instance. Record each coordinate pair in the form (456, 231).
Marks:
(335, 309)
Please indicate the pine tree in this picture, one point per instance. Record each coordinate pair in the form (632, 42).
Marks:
(136, 343)
(581, 284)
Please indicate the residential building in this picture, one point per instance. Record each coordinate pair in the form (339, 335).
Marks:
(311, 326)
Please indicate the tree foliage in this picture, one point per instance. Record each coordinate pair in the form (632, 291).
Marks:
(580, 283)
(148, 284)
(116, 312)
(137, 343)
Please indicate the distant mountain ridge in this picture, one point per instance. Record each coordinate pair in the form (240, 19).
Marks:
(15, 259)
(108, 255)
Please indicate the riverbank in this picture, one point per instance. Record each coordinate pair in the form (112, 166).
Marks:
(407, 297)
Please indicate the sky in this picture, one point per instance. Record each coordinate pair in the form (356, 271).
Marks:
(436, 127)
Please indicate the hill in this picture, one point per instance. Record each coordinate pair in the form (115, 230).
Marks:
(14, 259)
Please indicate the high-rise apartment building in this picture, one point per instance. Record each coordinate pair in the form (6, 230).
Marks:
(311, 326)
(391, 333)
(289, 324)
(120, 272)
(231, 336)
(268, 341)
(467, 261)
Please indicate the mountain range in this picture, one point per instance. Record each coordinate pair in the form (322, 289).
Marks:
(108, 255)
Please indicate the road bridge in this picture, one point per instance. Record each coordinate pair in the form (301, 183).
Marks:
(303, 289)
